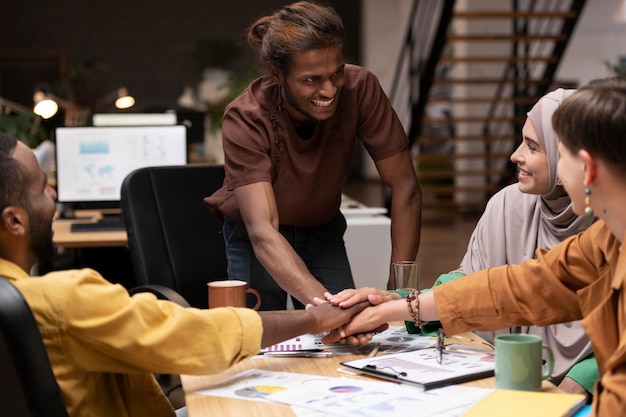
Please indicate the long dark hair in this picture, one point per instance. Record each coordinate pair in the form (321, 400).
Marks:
(298, 27)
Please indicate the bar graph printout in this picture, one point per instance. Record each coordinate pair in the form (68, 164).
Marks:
(421, 368)
(393, 340)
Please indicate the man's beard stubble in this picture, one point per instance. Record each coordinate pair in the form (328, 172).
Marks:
(40, 237)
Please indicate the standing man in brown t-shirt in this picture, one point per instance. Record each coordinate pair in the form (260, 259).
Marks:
(288, 141)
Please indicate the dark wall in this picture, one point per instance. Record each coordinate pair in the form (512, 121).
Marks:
(146, 46)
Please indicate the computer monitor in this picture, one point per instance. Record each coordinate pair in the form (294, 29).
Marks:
(92, 162)
(134, 119)
(193, 120)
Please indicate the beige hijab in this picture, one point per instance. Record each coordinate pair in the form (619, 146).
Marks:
(514, 225)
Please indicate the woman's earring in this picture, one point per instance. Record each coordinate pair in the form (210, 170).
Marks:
(588, 209)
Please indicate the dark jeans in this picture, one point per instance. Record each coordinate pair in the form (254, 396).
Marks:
(321, 248)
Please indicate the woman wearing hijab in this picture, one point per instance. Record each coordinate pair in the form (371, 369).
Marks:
(534, 213)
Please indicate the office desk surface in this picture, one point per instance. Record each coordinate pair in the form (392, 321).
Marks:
(367, 243)
(203, 405)
(65, 238)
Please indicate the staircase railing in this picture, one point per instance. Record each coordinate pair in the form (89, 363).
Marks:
(418, 58)
(527, 73)
(524, 68)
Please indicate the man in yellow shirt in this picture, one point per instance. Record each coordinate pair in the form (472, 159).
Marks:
(105, 345)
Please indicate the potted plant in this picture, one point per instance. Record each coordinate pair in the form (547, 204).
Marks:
(221, 83)
(25, 126)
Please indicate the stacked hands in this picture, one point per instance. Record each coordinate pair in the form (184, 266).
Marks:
(372, 319)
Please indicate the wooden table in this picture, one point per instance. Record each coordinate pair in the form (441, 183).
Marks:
(65, 238)
(200, 405)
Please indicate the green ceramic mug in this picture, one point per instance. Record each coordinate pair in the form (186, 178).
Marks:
(520, 362)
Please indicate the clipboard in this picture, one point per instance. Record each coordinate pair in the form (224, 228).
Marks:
(421, 369)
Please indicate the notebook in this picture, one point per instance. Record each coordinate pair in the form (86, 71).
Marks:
(395, 339)
(527, 403)
(420, 367)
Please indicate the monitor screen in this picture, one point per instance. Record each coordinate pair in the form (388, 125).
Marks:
(134, 119)
(93, 161)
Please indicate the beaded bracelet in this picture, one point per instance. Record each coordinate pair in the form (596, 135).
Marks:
(414, 312)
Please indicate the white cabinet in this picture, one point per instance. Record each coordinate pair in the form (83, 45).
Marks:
(368, 243)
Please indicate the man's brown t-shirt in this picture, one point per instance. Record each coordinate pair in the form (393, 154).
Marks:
(261, 145)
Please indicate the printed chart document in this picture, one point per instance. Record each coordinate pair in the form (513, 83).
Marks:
(320, 396)
(420, 367)
(352, 397)
(393, 340)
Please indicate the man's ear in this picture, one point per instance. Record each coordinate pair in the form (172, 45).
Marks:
(276, 74)
(14, 220)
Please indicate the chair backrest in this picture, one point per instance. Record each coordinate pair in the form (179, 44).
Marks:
(29, 388)
(173, 238)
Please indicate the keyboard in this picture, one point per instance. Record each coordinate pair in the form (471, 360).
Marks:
(107, 224)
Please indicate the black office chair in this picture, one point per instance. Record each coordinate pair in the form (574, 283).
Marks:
(29, 388)
(174, 240)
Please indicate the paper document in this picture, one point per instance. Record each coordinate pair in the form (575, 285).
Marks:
(352, 397)
(363, 211)
(393, 340)
(330, 396)
(421, 368)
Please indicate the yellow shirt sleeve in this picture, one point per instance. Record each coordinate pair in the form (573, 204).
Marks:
(103, 329)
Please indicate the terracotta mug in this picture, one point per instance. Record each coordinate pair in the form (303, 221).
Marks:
(231, 293)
